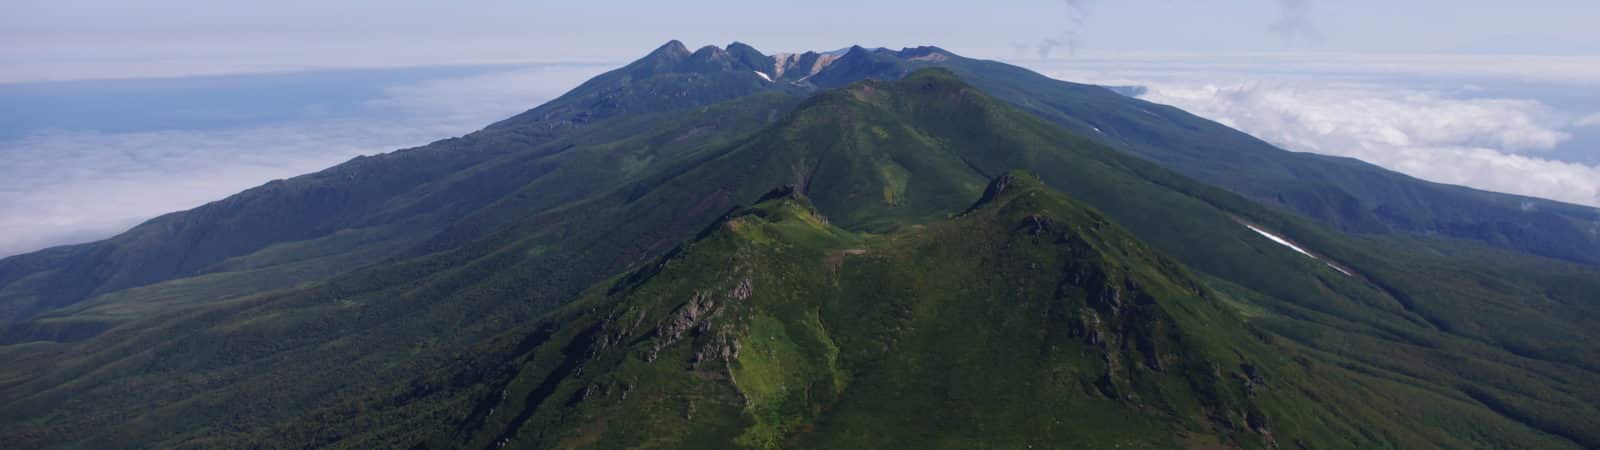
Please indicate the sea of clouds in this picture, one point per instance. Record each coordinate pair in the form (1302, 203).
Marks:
(61, 187)
(1449, 119)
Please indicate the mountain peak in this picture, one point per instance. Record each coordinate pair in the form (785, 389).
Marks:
(842, 66)
(750, 58)
(785, 200)
(666, 58)
(1009, 184)
(709, 58)
(671, 48)
(859, 63)
(709, 51)
(788, 191)
(926, 52)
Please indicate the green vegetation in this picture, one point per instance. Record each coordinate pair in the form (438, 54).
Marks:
(467, 293)
(1343, 193)
(1002, 328)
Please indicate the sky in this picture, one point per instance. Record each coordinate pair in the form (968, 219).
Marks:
(55, 39)
(112, 112)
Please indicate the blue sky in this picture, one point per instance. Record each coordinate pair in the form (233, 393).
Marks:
(112, 112)
(112, 38)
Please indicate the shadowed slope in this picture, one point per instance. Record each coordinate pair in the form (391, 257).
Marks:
(422, 347)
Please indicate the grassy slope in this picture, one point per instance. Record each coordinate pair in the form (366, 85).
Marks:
(295, 348)
(838, 143)
(1344, 193)
(524, 183)
(406, 350)
(370, 208)
(1030, 320)
(373, 207)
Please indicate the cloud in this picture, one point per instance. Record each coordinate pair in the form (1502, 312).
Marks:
(1309, 115)
(1592, 120)
(1569, 72)
(90, 185)
(1294, 23)
(1476, 121)
(1070, 36)
(1489, 144)
(58, 188)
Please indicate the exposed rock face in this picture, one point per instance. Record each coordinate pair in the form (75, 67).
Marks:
(742, 291)
(996, 187)
(787, 191)
(799, 67)
(806, 70)
(695, 318)
(1035, 224)
(693, 315)
(1254, 381)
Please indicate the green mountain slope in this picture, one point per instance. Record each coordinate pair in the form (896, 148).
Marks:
(1344, 193)
(372, 208)
(1402, 317)
(1029, 320)
(428, 216)
(439, 335)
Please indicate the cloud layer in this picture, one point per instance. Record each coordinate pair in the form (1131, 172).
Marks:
(1490, 144)
(1416, 116)
(1592, 120)
(58, 188)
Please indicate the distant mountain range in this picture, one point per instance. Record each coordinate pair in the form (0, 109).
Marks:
(859, 249)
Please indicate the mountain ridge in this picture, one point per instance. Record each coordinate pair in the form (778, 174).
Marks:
(783, 218)
(599, 185)
(1345, 193)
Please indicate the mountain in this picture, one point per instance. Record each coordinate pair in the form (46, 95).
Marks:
(1345, 193)
(776, 328)
(549, 281)
(375, 206)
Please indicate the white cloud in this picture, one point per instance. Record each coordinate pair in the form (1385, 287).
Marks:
(1325, 116)
(1373, 109)
(91, 185)
(1579, 70)
(58, 188)
(1592, 120)
(1483, 143)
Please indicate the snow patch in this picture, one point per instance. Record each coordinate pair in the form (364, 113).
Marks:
(1340, 269)
(1279, 240)
(1296, 248)
(763, 76)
